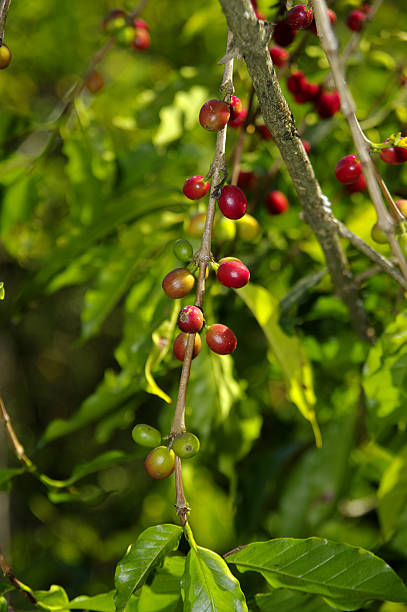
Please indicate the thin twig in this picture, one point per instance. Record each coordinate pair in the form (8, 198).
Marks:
(4, 8)
(20, 586)
(18, 447)
(330, 47)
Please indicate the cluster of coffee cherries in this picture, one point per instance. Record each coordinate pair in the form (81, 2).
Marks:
(5, 56)
(298, 18)
(327, 103)
(134, 33)
(356, 18)
(160, 461)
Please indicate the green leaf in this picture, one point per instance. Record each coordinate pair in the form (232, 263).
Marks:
(209, 585)
(392, 494)
(164, 593)
(2, 291)
(3, 605)
(54, 599)
(98, 603)
(287, 350)
(149, 549)
(346, 576)
(18, 203)
(290, 601)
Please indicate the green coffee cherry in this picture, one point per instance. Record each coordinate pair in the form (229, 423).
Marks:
(145, 435)
(225, 229)
(378, 235)
(183, 250)
(125, 36)
(186, 445)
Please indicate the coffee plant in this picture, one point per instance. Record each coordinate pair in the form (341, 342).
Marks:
(203, 271)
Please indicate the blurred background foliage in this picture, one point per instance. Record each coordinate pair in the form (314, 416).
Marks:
(91, 202)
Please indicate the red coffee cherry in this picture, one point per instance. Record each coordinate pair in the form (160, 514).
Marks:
(94, 81)
(355, 20)
(232, 202)
(180, 344)
(160, 462)
(235, 108)
(279, 56)
(214, 115)
(402, 206)
(233, 274)
(195, 187)
(348, 169)
(178, 283)
(311, 92)
(296, 82)
(190, 319)
(246, 180)
(393, 155)
(114, 21)
(5, 56)
(276, 203)
(264, 132)
(299, 17)
(328, 104)
(332, 19)
(357, 186)
(283, 35)
(221, 339)
(141, 40)
(140, 23)
(240, 119)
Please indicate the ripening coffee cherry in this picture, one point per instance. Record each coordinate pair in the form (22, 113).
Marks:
(246, 180)
(296, 82)
(355, 20)
(225, 229)
(248, 228)
(299, 17)
(276, 203)
(221, 339)
(196, 225)
(115, 21)
(394, 155)
(141, 39)
(141, 24)
(214, 115)
(235, 108)
(178, 283)
(190, 319)
(94, 81)
(145, 435)
(5, 56)
(232, 202)
(358, 186)
(180, 345)
(328, 103)
(279, 56)
(160, 462)
(402, 206)
(332, 19)
(378, 235)
(195, 187)
(125, 36)
(183, 250)
(348, 169)
(283, 35)
(233, 274)
(186, 445)
(239, 120)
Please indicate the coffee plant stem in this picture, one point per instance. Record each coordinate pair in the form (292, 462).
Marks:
(8, 572)
(251, 41)
(330, 47)
(4, 8)
(17, 446)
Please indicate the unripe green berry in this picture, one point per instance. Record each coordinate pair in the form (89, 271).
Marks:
(125, 36)
(183, 250)
(145, 435)
(378, 235)
(225, 229)
(186, 445)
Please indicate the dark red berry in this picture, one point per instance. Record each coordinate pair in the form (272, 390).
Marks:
(276, 203)
(332, 19)
(296, 83)
(160, 462)
(299, 17)
(328, 104)
(235, 108)
(214, 115)
(240, 119)
(357, 186)
(195, 187)
(306, 145)
(141, 39)
(94, 81)
(355, 20)
(394, 155)
(246, 180)
(233, 274)
(221, 339)
(348, 169)
(232, 202)
(190, 319)
(311, 92)
(178, 283)
(180, 344)
(283, 35)
(264, 132)
(279, 56)
(140, 23)
(5, 56)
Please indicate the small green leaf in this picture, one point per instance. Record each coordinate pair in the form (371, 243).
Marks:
(164, 593)
(346, 576)
(209, 585)
(3, 605)
(149, 549)
(392, 494)
(98, 603)
(54, 599)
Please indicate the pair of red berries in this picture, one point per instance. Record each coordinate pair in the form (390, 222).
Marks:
(215, 114)
(136, 33)
(348, 171)
(394, 155)
(356, 18)
(232, 201)
(219, 338)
